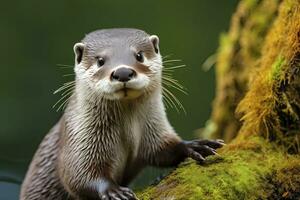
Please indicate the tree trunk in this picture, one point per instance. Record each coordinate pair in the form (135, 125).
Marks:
(239, 51)
(258, 76)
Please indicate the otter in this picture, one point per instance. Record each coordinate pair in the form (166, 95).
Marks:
(113, 126)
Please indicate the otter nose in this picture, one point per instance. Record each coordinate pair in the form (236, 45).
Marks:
(123, 74)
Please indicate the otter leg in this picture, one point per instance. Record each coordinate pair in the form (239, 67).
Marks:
(172, 150)
(131, 171)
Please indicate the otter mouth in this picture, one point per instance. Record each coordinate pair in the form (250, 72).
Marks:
(128, 92)
(125, 90)
(116, 90)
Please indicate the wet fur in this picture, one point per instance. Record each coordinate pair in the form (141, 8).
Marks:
(100, 144)
(106, 139)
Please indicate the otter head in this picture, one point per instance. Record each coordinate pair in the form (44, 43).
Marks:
(118, 63)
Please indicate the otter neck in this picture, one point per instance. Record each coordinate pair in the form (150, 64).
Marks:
(90, 109)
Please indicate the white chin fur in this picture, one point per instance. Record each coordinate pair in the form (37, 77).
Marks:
(126, 95)
(114, 89)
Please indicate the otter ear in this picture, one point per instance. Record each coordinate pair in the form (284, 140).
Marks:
(78, 50)
(155, 41)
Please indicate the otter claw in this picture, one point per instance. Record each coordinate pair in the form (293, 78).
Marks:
(196, 156)
(119, 193)
(199, 149)
(113, 195)
(215, 144)
(128, 192)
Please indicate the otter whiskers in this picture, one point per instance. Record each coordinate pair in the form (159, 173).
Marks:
(168, 81)
(66, 91)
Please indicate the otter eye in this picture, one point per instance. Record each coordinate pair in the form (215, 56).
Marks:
(139, 57)
(100, 62)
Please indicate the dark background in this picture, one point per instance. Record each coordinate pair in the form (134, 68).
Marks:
(38, 35)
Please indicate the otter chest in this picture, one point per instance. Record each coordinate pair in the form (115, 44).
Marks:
(127, 150)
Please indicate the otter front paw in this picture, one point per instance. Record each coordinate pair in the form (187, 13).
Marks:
(118, 193)
(199, 149)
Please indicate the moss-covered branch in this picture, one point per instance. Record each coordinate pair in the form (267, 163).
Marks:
(258, 73)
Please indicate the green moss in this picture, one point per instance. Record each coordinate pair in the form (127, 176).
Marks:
(277, 68)
(271, 106)
(250, 3)
(226, 46)
(251, 167)
(237, 56)
(240, 173)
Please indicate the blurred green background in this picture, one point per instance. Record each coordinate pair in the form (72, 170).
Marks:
(37, 35)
